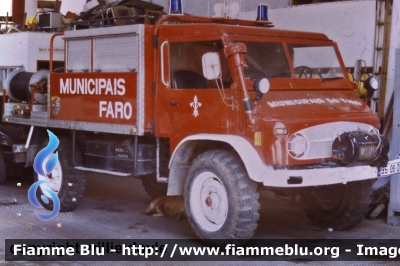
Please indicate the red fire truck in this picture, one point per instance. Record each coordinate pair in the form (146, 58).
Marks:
(209, 108)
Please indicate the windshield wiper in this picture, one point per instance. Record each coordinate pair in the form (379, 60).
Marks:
(331, 78)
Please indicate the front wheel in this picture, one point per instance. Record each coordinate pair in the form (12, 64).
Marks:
(67, 182)
(221, 201)
(338, 206)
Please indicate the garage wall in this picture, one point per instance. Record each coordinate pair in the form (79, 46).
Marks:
(5, 7)
(350, 24)
(26, 48)
(394, 44)
(200, 7)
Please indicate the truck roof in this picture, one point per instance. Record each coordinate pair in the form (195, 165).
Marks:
(204, 28)
(192, 26)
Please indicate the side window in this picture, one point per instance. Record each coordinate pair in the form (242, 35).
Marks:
(186, 67)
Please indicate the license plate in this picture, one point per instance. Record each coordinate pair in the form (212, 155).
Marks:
(390, 169)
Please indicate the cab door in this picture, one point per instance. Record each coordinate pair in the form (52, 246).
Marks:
(187, 102)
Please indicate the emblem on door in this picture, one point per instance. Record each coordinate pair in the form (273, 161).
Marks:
(195, 104)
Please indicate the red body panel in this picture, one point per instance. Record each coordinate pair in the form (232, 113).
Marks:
(94, 97)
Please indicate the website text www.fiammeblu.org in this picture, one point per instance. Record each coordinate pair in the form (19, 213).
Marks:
(191, 250)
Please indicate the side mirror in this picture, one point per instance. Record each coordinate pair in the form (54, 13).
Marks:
(211, 66)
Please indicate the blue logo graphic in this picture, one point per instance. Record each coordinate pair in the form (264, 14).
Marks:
(45, 170)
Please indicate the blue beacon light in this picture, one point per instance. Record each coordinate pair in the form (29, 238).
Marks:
(175, 7)
(262, 12)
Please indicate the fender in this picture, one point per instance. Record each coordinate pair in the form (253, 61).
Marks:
(185, 152)
(257, 170)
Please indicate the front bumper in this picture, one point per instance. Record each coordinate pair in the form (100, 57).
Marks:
(327, 176)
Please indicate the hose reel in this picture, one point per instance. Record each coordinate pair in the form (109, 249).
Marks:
(20, 83)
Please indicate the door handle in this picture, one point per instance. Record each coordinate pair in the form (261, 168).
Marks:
(173, 103)
(163, 80)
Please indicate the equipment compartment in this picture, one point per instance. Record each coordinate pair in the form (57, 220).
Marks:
(100, 154)
(146, 159)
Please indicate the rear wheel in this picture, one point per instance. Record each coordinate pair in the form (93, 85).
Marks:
(338, 206)
(67, 182)
(221, 201)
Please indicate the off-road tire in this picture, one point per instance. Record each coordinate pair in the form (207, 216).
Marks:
(338, 206)
(222, 175)
(153, 188)
(73, 181)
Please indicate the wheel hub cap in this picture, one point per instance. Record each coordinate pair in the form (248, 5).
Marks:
(209, 201)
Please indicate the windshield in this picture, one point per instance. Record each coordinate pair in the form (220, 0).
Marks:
(266, 58)
(271, 60)
(315, 61)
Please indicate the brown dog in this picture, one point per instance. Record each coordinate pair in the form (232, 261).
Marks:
(167, 206)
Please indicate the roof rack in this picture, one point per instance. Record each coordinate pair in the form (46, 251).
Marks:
(226, 21)
(175, 19)
(196, 19)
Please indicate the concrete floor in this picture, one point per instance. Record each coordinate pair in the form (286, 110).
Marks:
(112, 209)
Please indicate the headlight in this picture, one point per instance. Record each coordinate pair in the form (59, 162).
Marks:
(261, 86)
(297, 145)
(371, 84)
